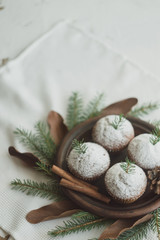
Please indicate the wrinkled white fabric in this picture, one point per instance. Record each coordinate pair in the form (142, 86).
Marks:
(42, 78)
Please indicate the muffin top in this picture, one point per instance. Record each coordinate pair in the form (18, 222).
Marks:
(125, 185)
(143, 152)
(112, 138)
(90, 164)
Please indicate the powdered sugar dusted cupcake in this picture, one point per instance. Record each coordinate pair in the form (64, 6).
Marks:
(144, 150)
(125, 182)
(113, 132)
(88, 160)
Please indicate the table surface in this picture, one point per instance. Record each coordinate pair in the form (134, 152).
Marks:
(130, 27)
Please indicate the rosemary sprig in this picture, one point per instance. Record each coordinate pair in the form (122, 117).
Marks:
(118, 121)
(155, 138)
(43, 190)
(144, 109)
(128, 166)
(79, 146)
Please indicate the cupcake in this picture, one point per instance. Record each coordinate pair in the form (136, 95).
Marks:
(113, 132)
(88, 160)
(125, 182)
(144, 150)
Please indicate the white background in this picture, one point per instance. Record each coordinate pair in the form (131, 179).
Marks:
(129, 26)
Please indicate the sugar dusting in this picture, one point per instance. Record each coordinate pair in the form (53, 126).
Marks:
(106, 135)
(125, 185)
(143, 152)
(94, 162)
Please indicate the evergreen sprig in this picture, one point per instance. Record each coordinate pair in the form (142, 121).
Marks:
(45, 140)
(138, 232)
(143, 109)
(79, 146)
(45, 169)
(128, 166)
(155, 138)
(39, 143)
(155, 221)
(94, 107)
(43, 190)
(76, 113)
(74, 110)
(85, 216)
(77, 225)
(118, 121)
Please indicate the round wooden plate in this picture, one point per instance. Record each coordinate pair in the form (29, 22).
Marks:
(147, 203)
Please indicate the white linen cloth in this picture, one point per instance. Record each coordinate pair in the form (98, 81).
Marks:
(42, 78)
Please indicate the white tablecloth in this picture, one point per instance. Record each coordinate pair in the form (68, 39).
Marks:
(42, 78)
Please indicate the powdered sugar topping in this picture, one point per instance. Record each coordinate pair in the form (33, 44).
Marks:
(94, 162)
(106, 135)
(143, 152)
(125, 185)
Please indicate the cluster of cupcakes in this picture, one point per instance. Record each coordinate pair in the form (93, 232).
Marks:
(125, 181)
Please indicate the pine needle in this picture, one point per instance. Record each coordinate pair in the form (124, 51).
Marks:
(79, 146)
(40, 143)
(85, 215)
(138, 232)
(45, 140)
(74, 110)
(43, 190)
(155, 221)
(144, 109)
(118, 121)
(155, 138)
(128, 166)
(45, 169)
(94, 107)
(77, 225)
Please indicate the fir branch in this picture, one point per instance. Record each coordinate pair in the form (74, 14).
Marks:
(136, 233)
(94, 107)
(155, 138)
(74, 110)
(47, 170)
(155, 221)
(45, 140)
(40, 143)
(118, 121)
(144, 109)
(128, 166)
(85, 216)
(79, 146)
(77, 225)
(43, 190)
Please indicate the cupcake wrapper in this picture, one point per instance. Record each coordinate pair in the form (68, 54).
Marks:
(126, 201)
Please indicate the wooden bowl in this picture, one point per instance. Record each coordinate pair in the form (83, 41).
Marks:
(147, 203)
